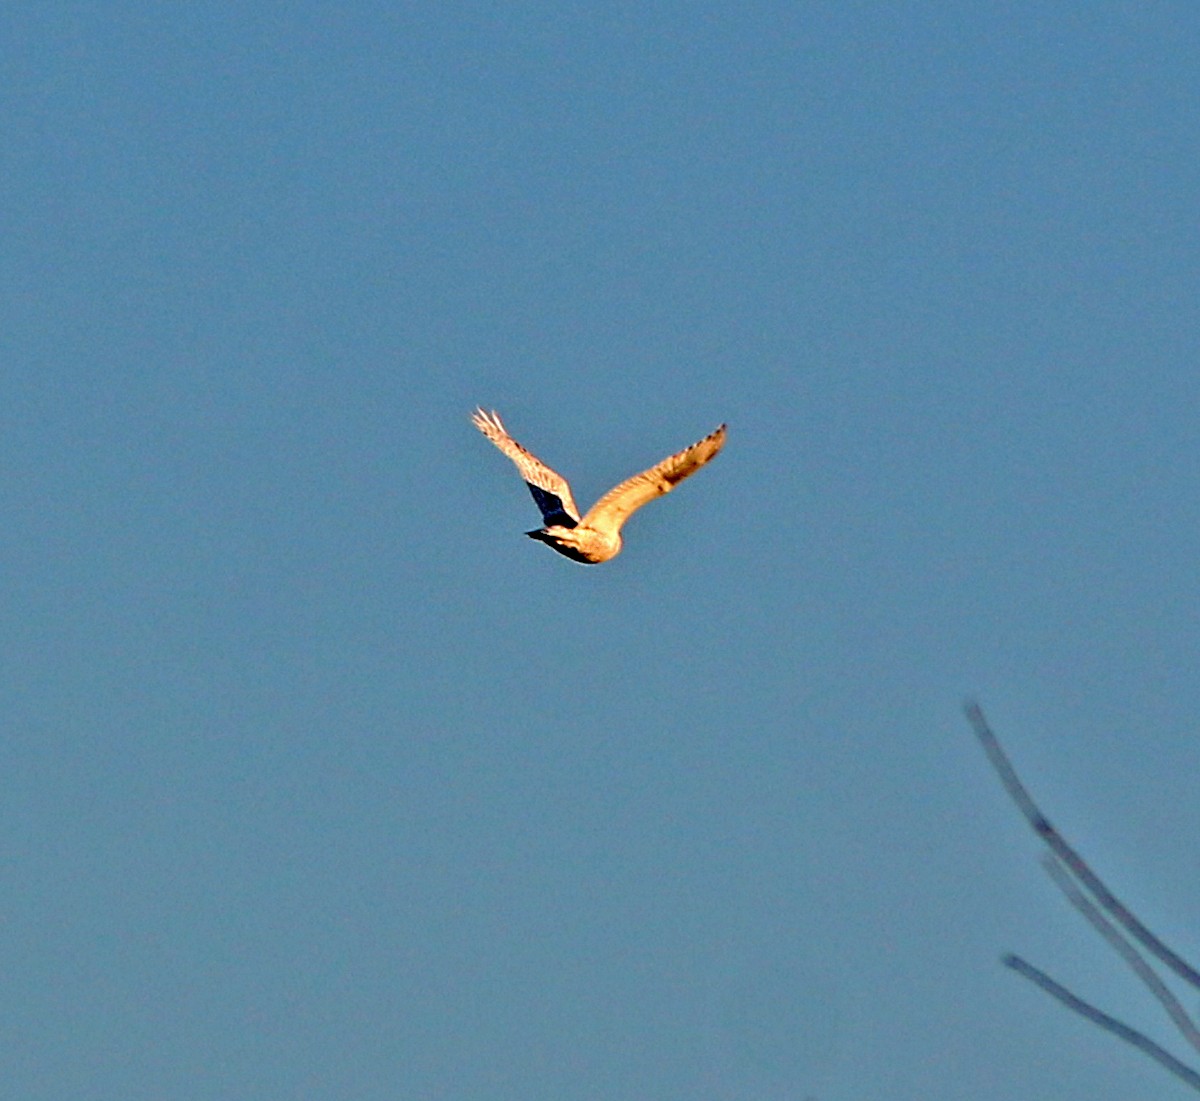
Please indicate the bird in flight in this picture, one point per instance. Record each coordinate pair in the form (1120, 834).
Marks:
(596, 536)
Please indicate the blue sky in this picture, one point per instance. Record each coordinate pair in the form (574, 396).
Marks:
(321, 780)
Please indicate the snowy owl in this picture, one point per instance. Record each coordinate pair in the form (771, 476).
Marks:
(596, 537)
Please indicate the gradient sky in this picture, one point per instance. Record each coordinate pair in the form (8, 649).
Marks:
(320, 780)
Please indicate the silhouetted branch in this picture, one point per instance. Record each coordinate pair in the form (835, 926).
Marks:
(1073, 861)
(1128, 953)
(1110, 1024)
(1070, 872)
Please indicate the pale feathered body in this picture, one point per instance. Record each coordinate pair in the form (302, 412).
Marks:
(596, 535)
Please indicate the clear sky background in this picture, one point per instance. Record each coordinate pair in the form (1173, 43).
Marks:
(319, 779)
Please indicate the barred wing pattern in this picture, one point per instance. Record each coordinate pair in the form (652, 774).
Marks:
(550, 489)
(597, 537)
(620, 502)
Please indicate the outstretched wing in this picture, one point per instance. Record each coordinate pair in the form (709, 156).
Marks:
(616, 506)
(550, 490)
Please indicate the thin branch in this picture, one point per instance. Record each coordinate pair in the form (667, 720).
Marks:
(1074, 862)
(1128, 953)
(1110, 1024)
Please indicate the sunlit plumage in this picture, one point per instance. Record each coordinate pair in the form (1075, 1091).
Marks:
(596, 536)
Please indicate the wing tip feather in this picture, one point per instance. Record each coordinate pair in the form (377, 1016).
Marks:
(488, 422)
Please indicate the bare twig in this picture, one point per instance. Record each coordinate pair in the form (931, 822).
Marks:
(1110, 1024)
(1128, 953)
(1073, 861)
